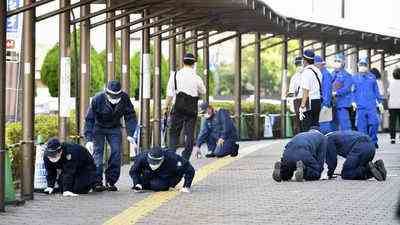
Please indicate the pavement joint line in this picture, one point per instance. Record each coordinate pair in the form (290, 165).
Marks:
(140, 209)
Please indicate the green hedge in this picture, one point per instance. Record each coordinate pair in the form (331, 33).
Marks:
(45, 125)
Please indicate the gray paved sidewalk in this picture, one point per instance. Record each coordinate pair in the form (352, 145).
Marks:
(240, 193)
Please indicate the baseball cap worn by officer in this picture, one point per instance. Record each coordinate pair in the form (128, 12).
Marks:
(308, 54)
(53, 150)
(155, 158)
(189, 59)
(203, 107)
(114, 91)
(318, 60)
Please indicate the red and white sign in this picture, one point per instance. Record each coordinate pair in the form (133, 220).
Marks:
(10, 43)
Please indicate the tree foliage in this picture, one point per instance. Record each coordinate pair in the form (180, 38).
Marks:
(50, 69)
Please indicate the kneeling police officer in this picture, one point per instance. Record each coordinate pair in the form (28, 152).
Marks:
(78, 171)
(158, 170)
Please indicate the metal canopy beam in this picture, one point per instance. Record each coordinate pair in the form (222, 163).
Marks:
(157, 23)
(259, 40)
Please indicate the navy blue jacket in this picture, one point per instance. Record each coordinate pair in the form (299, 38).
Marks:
(313, 142)
(341, 143)
(74, 160)
(173, 166)
(218, 126)
(102, 114)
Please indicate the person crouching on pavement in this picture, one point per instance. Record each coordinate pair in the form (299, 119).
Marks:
(78, 171)
(219, 132)
(303, 156)
(159, 170)
(359, 151)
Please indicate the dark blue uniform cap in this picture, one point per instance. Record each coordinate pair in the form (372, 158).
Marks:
(53, 147)
(114, 89)
(308, 54)
(155, 156)
(203, 106)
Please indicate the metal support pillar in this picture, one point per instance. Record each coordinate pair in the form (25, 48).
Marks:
(157, 90)
(145, 133)
(125, 81)
(194, 45)
(238, 79)
(369, 58)
(257, 106)
(301, 46)
(352, 63)
(323, 50)
(284, 86)
(181, 49)
(172, 53)
(65, 71)
(85, 70)
(357, 56)
(110, 44)
(3, 24)
(206, 61)
(28, 102)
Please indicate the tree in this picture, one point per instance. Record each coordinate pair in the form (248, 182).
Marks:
(50, 69)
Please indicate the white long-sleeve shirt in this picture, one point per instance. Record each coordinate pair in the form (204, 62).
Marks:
(187, 81)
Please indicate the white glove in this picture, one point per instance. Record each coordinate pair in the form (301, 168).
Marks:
(138, 188)
(89, 147)
(48, 190)
(69, 194)
(324, 108)
(301, 113)
(354, 105)
(334, 93)
(324, 176)
(381, 108)
(131, 140)
(185, 190)
(198, 152)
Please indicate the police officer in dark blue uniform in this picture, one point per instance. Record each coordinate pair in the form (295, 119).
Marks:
(78, 171)
(219, 132)
(159, 170)
(303, 156)
(103, 122)
(359, 151)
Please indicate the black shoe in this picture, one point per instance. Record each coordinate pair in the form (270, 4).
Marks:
(393, 141)
(381, 167)
(210, 155)
(111, 187)
(375, 172)
(299, 173)
(235, 150)
(99, 188)
(376, 145)
(276, 175)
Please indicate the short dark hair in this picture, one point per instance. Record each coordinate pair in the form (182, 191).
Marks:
(376, 72)
(188, 62)
(309, 61)
(396, 74)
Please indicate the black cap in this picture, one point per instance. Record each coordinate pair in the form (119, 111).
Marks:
(53, 147)
(114, 89)
(155, 156)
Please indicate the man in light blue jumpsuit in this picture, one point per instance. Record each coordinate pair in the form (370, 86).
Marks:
(219, 132)
(328, 126)
(359, 152)
(341, 90)
(304, 157)
(366, 99)
(103, 122)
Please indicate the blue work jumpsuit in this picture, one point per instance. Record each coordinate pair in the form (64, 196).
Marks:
(366, 96)
(358, 150)
(220, 125)
(326, 127)
(308, 147)
(103, 122)
(342, 83)
(169, 174)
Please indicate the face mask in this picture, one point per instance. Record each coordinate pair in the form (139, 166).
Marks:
(337, 65)
(113, 101)
(55, 159)
(155, 167)
(363, 69)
